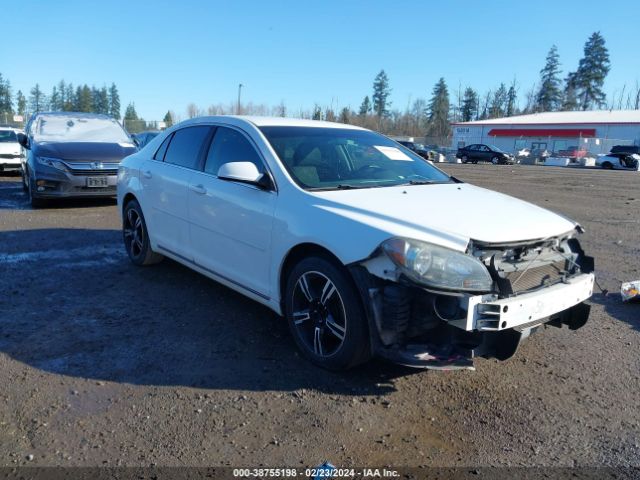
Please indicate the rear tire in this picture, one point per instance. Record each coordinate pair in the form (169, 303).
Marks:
(325, 314)
(136, 237)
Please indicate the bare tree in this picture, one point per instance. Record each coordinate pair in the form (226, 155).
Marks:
(192, 110)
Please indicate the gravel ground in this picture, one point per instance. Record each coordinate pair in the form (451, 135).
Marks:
(103, 363)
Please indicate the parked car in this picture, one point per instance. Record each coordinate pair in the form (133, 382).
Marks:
(540, 154)
(619, 161)
(365, 247)
(484, 153)
(72, 154)
(142, 138)
(10, 150)
(626, 149)
(573, 152)
(415, 147)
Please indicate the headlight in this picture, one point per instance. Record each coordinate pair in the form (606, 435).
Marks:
(52, 162)
(436, 266)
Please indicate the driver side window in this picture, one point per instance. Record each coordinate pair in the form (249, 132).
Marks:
(227, 146)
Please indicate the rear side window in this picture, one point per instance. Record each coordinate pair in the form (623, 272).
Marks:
(230, 146)
(186, 144)
(163, 149)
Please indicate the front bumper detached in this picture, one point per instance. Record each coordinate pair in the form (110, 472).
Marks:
(425, 329)
(487, 313)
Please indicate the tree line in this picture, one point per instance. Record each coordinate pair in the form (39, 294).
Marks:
(580, 89)
(63, 97)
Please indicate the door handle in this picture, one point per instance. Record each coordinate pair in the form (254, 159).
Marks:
(198, 189)
(146, 173)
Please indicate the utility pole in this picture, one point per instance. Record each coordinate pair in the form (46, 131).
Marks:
(239, 93)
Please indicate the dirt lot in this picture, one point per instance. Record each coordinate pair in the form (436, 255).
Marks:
(103, 363)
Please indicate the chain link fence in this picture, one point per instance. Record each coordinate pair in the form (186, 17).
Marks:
(11, 120)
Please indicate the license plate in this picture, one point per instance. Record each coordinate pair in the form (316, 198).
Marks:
(97, 182)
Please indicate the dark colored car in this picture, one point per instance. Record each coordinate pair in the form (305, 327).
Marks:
(628, 149)
(71, 154)
(143, 138)
(415, 147)
(478, 152)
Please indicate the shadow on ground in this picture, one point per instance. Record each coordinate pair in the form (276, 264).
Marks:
(14, 197)
(628, 312)
(78, 307)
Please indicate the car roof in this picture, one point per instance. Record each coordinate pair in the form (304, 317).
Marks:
(270, 122)
(75, 115)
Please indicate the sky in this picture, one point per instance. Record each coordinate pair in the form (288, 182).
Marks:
(163, 55)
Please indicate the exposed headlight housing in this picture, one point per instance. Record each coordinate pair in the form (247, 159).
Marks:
(438, 267)
(52, 162)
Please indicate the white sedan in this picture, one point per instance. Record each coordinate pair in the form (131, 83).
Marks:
(619, 161)
(365, 247)
(10, 149)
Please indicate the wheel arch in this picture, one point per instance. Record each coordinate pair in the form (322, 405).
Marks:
(126, 199)
(297, 253)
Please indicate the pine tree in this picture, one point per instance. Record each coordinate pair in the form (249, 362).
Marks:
(365, 107)
(85, 99)
(21, 103)
(439, 110)
(570, 97)
(317, 113)
(549, 97)
(345, 115)
(69, 98)
(469, 105)
(131, 121)
(592, 71)
(37, 100)
(6, 101)
(381, 92)
(114, 101)
(168, 119)
(512, 98)
(62, 95)
(100, 100)
(499, 102)
(130, 113)
(54, 100)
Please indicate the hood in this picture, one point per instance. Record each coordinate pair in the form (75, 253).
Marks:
(449, 214)
(9, 148)
(84, 151)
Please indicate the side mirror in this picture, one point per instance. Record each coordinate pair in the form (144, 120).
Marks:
(23, 140)
(245, 172)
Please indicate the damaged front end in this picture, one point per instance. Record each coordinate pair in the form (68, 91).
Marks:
(430, 307)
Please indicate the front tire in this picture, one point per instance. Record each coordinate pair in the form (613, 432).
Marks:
(495, 160)
(465, 159)
(136, 237)
(325, 314)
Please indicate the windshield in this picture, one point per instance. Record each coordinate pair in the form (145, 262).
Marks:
(336, 158)
(67, 128)
(7, 136)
